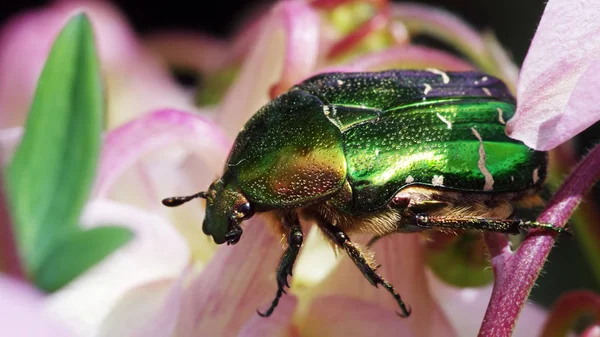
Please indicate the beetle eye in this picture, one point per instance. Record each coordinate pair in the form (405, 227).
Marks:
(245, 211)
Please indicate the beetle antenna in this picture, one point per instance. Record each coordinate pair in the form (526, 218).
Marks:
(176, 201)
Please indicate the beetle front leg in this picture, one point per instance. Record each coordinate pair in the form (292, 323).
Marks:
(286, 264)
(368, 269)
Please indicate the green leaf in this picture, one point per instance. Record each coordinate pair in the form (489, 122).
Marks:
(51, 173)
(77, 253)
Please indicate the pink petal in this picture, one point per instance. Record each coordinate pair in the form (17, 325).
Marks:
(442, 24)
(339, 316)
(506, 69)
(279, 324)
(159, 130)
(238, 280)
(465, 307)
(593, 331)
(401, 258)
(135, 81)
(21, 314)
(285, 53)
(148, 310)
(156, 252)
(559, 83)
(190, 50)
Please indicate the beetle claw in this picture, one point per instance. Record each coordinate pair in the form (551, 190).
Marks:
(407, 312)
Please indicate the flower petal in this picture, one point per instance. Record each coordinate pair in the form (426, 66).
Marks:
(285, 53)
(160, 129)
(559, 81)
(465, 307)
(21, 314)
(190, 50)
(135, 81)
(165, 153)
(148, 310)
(236, 282)
(279, 324)
(339, 316)
(156, 252)
(423, 19)
(401, 257)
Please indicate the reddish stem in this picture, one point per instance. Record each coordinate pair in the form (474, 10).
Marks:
(516, 273)
(568, 309)
(10, 263)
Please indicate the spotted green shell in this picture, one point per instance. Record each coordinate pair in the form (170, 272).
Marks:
(381, 132)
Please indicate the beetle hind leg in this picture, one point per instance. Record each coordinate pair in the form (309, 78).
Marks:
(286, 264)
(363, 263)
(510, 226)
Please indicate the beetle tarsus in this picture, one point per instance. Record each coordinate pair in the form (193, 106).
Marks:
(342, 240)
(286, 264)
(268, 313)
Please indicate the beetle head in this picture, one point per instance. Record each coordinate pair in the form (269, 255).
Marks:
(226, 208)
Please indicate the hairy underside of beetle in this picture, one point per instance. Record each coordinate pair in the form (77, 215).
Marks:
(398, 215)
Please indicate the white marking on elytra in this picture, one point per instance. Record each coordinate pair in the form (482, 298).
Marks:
(340, 82)
(500, 117)
(476, 82)
(536, 176)
(326, 110)
(427, 88)
(448, 124)
(484, 78)
(512, 179)
(409, 179)
(437, 180)
(377, 152)
(487, 91)
(489, 180)
(445, 77)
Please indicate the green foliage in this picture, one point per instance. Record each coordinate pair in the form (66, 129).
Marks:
(52, 171)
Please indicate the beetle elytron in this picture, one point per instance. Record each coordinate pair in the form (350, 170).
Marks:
(377, 153)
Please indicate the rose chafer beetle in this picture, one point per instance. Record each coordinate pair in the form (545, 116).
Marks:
(377, 153)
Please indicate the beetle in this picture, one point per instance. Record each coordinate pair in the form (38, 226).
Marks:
(377, 153)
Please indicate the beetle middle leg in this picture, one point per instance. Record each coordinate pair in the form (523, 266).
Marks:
(368, 270)
(286, 264)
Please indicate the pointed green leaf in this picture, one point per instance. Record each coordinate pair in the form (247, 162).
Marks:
(77, 253)
(51, 173)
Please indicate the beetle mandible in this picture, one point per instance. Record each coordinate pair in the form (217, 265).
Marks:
(377, 153)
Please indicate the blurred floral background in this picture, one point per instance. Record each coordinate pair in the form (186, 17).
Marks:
(86, 249)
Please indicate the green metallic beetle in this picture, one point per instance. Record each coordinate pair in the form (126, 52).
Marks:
(377, 153)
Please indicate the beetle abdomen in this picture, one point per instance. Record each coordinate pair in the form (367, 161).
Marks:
(431, 128)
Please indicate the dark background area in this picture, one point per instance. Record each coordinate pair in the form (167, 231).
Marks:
(513, 21)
